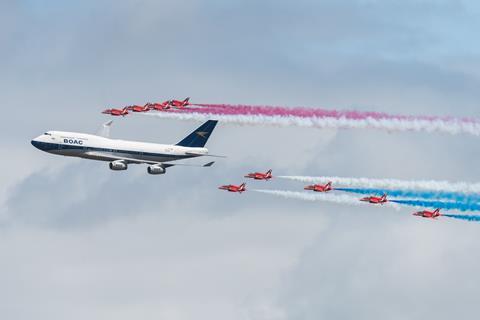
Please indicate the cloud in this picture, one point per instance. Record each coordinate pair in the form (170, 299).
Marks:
(155, 263)
(371, 268)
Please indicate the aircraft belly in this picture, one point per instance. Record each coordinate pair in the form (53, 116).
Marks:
(68, 152)
(112, 156)
(100, 157)
(157, 158)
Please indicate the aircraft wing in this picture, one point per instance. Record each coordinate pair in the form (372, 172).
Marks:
(111, 157)
(203, 155)
(188, 164)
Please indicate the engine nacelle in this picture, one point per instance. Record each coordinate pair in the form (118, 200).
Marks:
(156, 169)
(118, 165)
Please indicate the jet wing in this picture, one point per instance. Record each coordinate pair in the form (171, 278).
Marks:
(111, 157)
(203, 155)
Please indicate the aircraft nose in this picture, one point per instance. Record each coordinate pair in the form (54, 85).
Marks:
(35, 143)
(39, 144)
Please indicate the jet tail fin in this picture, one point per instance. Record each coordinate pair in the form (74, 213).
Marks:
(104, 130)
(199, 137)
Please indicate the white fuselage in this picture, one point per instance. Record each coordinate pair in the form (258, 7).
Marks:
(95, 147)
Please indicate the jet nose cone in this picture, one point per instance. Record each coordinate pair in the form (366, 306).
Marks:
(39, 144)
(35, 143)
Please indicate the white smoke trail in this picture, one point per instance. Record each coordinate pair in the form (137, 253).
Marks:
(427, 185)
(445, 126)
(324, 197)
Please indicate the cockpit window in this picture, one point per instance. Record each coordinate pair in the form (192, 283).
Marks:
(47, 134)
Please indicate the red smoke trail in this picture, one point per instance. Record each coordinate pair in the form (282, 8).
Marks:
(302, 112)
(322, 118)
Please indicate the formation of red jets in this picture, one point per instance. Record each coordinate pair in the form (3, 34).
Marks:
(376, 200)
(169, 104)
(180, 104)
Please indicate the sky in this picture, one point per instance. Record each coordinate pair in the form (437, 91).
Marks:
(80, 241)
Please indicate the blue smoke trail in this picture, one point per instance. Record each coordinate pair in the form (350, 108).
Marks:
(461, 206)
(462, 217)
(452, 196)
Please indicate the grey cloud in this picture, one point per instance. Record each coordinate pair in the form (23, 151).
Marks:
(400, 269)
(175, 265)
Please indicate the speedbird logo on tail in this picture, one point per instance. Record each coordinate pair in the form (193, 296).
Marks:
(199, 137)
(202, 134)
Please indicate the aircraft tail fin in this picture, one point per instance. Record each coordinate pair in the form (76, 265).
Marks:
(199, 137)
(104, 130)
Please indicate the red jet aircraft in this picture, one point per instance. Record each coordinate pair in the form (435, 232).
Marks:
(136, 108)
(116, 112)
(320, 187)
(375, 200)
(260, 176)
(180, 104)
(159, 106)
(428, 214)
(233, 188)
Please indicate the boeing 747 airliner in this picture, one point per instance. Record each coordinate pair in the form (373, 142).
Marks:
(121, 153)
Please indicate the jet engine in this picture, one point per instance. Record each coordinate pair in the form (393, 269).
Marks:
(118, 165)
(156, 169)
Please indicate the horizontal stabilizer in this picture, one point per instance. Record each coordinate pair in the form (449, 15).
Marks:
(209, 164)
